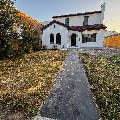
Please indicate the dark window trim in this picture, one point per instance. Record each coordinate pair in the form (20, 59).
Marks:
(58, 38)
(85, 22)
(92, 38)
(51, 38)
(67, 21)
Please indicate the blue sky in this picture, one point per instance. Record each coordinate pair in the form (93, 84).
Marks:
(43, 10)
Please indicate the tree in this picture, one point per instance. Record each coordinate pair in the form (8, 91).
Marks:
(8, 18)
(37, 43)
(30, 38)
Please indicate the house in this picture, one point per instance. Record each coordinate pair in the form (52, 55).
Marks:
(75, 30)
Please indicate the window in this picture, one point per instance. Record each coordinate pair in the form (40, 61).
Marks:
(58, 39)
(51, 38)
(67, 21)
(89, 38)
(84, 39)
(54, 26)
(85, 22)
(93, 37)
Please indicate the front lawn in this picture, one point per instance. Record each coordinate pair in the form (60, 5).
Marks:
(104, 76)
(26, 81)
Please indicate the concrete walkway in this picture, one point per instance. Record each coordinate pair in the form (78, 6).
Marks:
(70, 98)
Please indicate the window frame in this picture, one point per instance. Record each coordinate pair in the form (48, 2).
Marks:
(89, 39)
(93, 37)
(51, 38)
(58, 39)
(67, 21)
(85, 22)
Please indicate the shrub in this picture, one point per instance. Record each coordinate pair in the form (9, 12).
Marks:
(37, 45)
(44, 47)
(54, 47)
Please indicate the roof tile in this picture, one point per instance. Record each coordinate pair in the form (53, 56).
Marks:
(77, 14)
(78, 28)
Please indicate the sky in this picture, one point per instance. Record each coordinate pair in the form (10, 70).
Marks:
(44, 10)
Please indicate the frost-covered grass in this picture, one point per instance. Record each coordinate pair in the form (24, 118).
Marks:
(26, 81)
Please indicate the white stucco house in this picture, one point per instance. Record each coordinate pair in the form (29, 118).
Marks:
(75, 30)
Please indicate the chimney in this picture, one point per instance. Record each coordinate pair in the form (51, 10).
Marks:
(103, 7)
(102, 12)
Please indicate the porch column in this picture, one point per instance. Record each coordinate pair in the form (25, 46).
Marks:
(68, 40)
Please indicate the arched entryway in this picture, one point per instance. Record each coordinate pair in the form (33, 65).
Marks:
(73, 40)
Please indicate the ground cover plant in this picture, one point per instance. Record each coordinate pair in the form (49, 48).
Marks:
(26, 81)
(112, 41)
(104, 77)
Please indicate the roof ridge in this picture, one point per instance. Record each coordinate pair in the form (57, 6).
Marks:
(77, 14)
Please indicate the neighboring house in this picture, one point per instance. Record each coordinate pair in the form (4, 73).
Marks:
(45, 22)
(111, 33)
(75, 30)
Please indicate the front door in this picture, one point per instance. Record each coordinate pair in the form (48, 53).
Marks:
(73, 40)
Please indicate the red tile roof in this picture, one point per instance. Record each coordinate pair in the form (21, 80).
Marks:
(77, 28)
(88, 27)
(77, 14)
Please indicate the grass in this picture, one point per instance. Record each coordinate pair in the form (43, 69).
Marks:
(26, 81)
(104, 76)
(115, 59)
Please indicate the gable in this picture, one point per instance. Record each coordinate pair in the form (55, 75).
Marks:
(56, 22)
(55, 28)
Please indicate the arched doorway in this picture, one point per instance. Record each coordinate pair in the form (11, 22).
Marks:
(73, 40)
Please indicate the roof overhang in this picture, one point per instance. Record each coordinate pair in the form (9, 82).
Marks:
(77, 28)
(77, 14)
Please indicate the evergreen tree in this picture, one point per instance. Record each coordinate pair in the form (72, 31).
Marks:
(8, 18)
(30, 38)
(37, 43)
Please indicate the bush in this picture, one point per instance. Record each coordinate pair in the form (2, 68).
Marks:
(37, 45)
(115, 59)
(44, 47)
(54, 47)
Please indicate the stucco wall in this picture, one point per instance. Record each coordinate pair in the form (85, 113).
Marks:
(58, 29)
(78, 20)
(78, 37)
(66, 37)
(99, 39)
